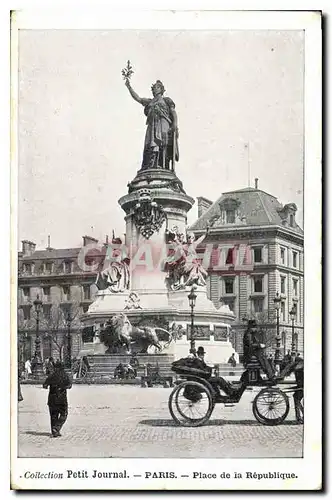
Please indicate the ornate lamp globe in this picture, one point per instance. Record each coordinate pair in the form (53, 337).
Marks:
(192, 297)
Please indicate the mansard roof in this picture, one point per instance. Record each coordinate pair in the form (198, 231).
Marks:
(254, 207)
(52, 254)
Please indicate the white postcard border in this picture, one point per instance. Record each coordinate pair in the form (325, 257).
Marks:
(308, 469)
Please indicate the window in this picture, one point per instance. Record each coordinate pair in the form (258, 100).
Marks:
(294, 259)
(230, 216)
(258, 305)
(257, 254)
(27, 268)
(229, 285)
(295, 308)
(47, 293)
(47, 311)
(283, 285)
(231, 304)
(230, 256)
(283, 341)
(48, 267)
(283, 311)
(291, 220)
(66, 292)
(26, 293)
(67, 267)
(86, 292)
(26, 312)
(296, 341)
(295, 287)
(283, 256)
(258, 284)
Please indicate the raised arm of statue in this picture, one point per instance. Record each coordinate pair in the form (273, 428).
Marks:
(135, 96)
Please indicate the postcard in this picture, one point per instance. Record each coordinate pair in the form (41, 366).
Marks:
(166, 242)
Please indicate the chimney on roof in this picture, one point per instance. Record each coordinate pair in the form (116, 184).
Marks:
(28, 247)
(256, 183)
(49, 243)
(106, 241)
(88, 240)
(203, 204)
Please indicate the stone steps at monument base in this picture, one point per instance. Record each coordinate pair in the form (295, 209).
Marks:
(103, 365)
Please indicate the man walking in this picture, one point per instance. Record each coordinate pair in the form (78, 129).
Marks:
(58, 383)
(232, 360)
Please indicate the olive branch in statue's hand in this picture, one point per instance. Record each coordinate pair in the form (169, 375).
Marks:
(127, 73)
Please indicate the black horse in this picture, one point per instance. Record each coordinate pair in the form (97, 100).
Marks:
(296, 367)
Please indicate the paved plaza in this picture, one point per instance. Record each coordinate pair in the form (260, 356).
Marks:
(130, 421)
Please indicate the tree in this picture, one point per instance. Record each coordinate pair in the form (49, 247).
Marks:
(55, 325)
(266, 322)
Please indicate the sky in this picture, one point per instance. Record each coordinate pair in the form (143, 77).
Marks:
(81, 135)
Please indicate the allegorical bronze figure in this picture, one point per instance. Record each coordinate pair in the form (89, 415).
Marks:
(161, 139)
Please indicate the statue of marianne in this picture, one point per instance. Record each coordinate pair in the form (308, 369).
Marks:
(161, 139)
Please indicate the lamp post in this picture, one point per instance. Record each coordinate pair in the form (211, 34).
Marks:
(192, 302)
(69, 320)
(292, 314)
(20, 362)
(37, 362)
(277, 357)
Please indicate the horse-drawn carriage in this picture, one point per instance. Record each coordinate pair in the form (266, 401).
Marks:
(192, 401)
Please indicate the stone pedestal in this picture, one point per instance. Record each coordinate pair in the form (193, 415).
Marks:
(149, 300)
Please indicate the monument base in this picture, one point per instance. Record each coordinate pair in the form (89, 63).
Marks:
(103, 365)
(167, 309)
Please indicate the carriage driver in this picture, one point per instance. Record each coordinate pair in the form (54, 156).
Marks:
(253, 347)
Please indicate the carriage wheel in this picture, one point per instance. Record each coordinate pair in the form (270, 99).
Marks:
(270, 406)
(190, 404)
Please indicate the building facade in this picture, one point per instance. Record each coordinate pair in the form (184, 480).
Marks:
(65, 290)
(254, 250)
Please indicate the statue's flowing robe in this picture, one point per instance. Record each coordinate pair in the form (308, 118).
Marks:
(115, 277)
(159, 135)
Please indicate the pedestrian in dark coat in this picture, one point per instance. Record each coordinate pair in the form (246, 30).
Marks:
(49, 366)
(58, 383)
(298, 358)
(232, 360)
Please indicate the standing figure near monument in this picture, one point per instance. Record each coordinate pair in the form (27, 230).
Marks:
(161, 139)
(183, 264)
(116, 277)
(194, 272)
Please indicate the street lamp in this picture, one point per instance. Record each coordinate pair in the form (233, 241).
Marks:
(38, 363)
(69, 320)
(277, 357)
(192, 302)
(292, 314)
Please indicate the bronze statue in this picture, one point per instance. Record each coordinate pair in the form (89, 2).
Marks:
(116, 277)
(161, 139)
(183, 264)
(119, 334)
